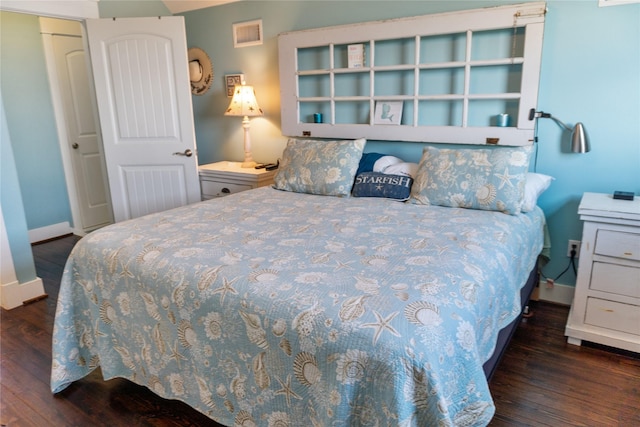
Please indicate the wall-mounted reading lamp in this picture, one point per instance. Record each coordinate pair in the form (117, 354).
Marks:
(579, 140)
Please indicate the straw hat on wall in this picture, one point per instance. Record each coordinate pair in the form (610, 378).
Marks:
(200, 71)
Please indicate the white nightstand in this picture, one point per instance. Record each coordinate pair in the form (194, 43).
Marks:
(224, 178)
(606, 304)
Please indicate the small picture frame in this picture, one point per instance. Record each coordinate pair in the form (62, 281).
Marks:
(388, 113)
(231, 80)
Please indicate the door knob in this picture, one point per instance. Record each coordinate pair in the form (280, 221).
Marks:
(187, 153)
(75, 145)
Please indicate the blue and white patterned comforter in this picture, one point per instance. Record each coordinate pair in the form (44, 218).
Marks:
(272, 308)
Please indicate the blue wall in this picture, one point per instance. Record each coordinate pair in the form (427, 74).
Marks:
(590, 73)
(31, 121)
(11, 205)
(131, 9)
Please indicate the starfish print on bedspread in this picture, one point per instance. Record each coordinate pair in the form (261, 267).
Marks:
(381, 325)
(226, 287)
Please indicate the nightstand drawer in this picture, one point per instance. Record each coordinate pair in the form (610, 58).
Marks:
(618, 244)
(613, 315)
(616, 279)
(212, 189)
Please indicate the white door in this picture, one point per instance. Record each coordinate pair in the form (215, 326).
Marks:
(141, 75)
(83, 141)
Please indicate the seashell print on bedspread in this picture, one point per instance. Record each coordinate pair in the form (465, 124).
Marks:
(277, 308)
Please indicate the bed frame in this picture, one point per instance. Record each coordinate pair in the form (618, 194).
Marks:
(504, 337)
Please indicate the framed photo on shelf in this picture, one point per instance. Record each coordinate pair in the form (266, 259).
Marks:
(387, 113)
(231, 80)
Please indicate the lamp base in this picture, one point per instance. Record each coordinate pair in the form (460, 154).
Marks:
(249, 164)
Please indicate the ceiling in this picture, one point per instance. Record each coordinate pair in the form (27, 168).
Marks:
(179, 6)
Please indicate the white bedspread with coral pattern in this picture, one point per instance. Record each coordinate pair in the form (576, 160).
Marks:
(274, 308)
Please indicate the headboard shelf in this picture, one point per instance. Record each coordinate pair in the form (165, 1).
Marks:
(450, 76)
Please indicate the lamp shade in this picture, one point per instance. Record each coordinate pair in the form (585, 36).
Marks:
(579, 140)
(243, 102)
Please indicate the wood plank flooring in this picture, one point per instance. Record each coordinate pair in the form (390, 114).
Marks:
(541, 381)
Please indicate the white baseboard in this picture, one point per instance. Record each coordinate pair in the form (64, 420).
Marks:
(49, 232)
(13, 294)
(559, 293)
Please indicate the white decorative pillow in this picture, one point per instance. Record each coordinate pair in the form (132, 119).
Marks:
(535, 185)
(319, 167)
(487, 179)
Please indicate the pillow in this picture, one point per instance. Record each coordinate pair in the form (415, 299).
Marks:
(485, 179)
(535, 185)
(404, 168)
(319, 167)
(377, 184)
(390, 165)
(384, 162)
(367, 161)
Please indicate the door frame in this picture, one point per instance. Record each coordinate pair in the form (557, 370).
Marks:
(56, 96)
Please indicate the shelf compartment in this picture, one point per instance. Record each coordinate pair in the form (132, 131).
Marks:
(397, 82)
(441, 81)
(353, 112)
(314, 58)
(352, 84)
(341, 55)
(495, 79)
(499, 43)
(309, 108)
(394, 52)
(483, 112)
(443, 48)
(314, 86)
(444, 112)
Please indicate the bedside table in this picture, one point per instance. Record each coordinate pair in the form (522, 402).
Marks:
(606, 304)
(224, 178)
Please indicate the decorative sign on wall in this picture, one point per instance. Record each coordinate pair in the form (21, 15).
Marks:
(231, 81)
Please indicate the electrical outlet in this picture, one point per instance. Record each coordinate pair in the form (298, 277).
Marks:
(572, 243)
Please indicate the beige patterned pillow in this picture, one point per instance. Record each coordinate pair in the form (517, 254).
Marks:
(319, 167)
(486, 179)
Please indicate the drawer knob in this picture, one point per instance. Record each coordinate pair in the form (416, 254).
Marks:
(226, 190)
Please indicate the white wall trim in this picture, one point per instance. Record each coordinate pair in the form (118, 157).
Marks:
(15, 294)
(559, 294)
(7, 268)
(12, 293)
(71, 9)
(50, 232)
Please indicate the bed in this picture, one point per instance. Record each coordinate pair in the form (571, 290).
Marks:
(295, 306)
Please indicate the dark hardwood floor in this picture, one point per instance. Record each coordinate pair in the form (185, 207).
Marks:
(541, 381)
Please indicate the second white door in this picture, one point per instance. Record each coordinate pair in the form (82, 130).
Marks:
(83, 137)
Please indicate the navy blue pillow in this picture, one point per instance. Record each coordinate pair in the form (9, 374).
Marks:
(376, 184)
(367, 161)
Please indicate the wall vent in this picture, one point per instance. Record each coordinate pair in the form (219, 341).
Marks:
(247, 33)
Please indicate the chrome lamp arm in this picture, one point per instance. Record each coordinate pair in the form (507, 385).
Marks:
(579, 139)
